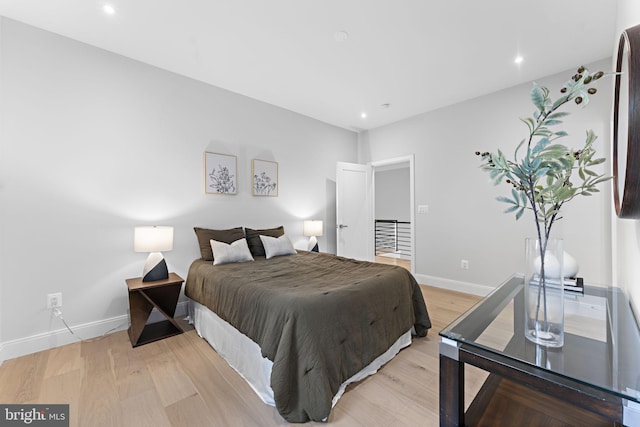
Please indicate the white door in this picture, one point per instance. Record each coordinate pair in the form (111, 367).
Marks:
(354, 211)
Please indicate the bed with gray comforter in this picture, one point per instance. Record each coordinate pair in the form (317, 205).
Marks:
(318, 317)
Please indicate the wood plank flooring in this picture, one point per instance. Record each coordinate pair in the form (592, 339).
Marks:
(405, 263)
(181, 381)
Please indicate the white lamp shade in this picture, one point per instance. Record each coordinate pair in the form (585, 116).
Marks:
(153, 239)
(312, 228)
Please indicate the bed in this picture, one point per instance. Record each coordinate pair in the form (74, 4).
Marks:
(316, 319)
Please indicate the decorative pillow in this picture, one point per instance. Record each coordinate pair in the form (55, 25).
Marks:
(253, 238)
(276, 246)
(205, 236)
(224, 253)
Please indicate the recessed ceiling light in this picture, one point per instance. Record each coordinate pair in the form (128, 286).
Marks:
(363, 115)
(340, 36)
(109, 9)
(518, 59)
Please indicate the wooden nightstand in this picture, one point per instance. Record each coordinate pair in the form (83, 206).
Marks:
(143, 297)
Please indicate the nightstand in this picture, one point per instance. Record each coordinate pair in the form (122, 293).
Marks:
(143, 297)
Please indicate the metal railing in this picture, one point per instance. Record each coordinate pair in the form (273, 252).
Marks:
(393, 237)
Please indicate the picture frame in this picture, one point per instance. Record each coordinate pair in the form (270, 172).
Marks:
(220, 173)
(264, 178)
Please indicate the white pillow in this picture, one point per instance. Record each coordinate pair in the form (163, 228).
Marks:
(276, 246)
(224, 253)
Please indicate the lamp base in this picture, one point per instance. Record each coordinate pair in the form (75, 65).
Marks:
(313, 244)
(155, 268)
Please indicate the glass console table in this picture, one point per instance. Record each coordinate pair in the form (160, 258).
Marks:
(597, 369)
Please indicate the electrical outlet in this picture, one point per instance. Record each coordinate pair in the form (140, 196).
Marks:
(54, 300)
(423, 209)
(464, 264)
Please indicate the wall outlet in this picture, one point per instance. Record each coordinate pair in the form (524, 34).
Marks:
(423, 209)
(54, 300)
(464, 264)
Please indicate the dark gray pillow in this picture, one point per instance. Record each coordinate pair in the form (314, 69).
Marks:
(253, 238)
(205, 235)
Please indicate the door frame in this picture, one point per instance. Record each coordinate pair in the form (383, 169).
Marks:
(397, 160)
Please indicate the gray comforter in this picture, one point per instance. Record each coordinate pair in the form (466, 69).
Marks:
(319, 318)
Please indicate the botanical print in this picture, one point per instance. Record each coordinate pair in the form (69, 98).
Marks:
(222, 180)
(220, 173)
(265, 177)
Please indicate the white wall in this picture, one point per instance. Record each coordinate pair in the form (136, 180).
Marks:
(464, 220)
(94, 144)
(627, 232)
(2, 209)
(392, 194)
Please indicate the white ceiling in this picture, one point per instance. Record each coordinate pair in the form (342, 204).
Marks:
(417, 55)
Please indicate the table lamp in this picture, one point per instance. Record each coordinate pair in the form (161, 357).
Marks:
(153, 239)
(312, 229)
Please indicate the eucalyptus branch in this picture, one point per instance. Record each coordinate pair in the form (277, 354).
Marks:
(541, 179)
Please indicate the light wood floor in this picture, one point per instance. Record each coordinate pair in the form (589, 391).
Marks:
(181, 381)
(393, 261)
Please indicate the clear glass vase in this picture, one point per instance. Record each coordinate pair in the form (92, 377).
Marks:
(543, 292)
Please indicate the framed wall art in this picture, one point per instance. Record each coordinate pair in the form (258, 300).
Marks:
(264, 177)
(220, 173)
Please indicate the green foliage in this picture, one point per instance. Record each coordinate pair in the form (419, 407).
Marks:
(544, 174)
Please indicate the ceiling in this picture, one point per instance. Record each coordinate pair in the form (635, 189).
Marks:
(415, 55)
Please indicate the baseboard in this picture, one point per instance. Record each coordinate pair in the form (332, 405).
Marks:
(56, 338)
(59, 337)
(454, 285)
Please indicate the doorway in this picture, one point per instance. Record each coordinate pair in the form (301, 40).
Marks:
(393, 183)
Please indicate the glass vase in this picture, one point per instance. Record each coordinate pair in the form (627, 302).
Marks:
(543, 292)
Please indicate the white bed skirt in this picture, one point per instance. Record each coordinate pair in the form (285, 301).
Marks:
(244, 355)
